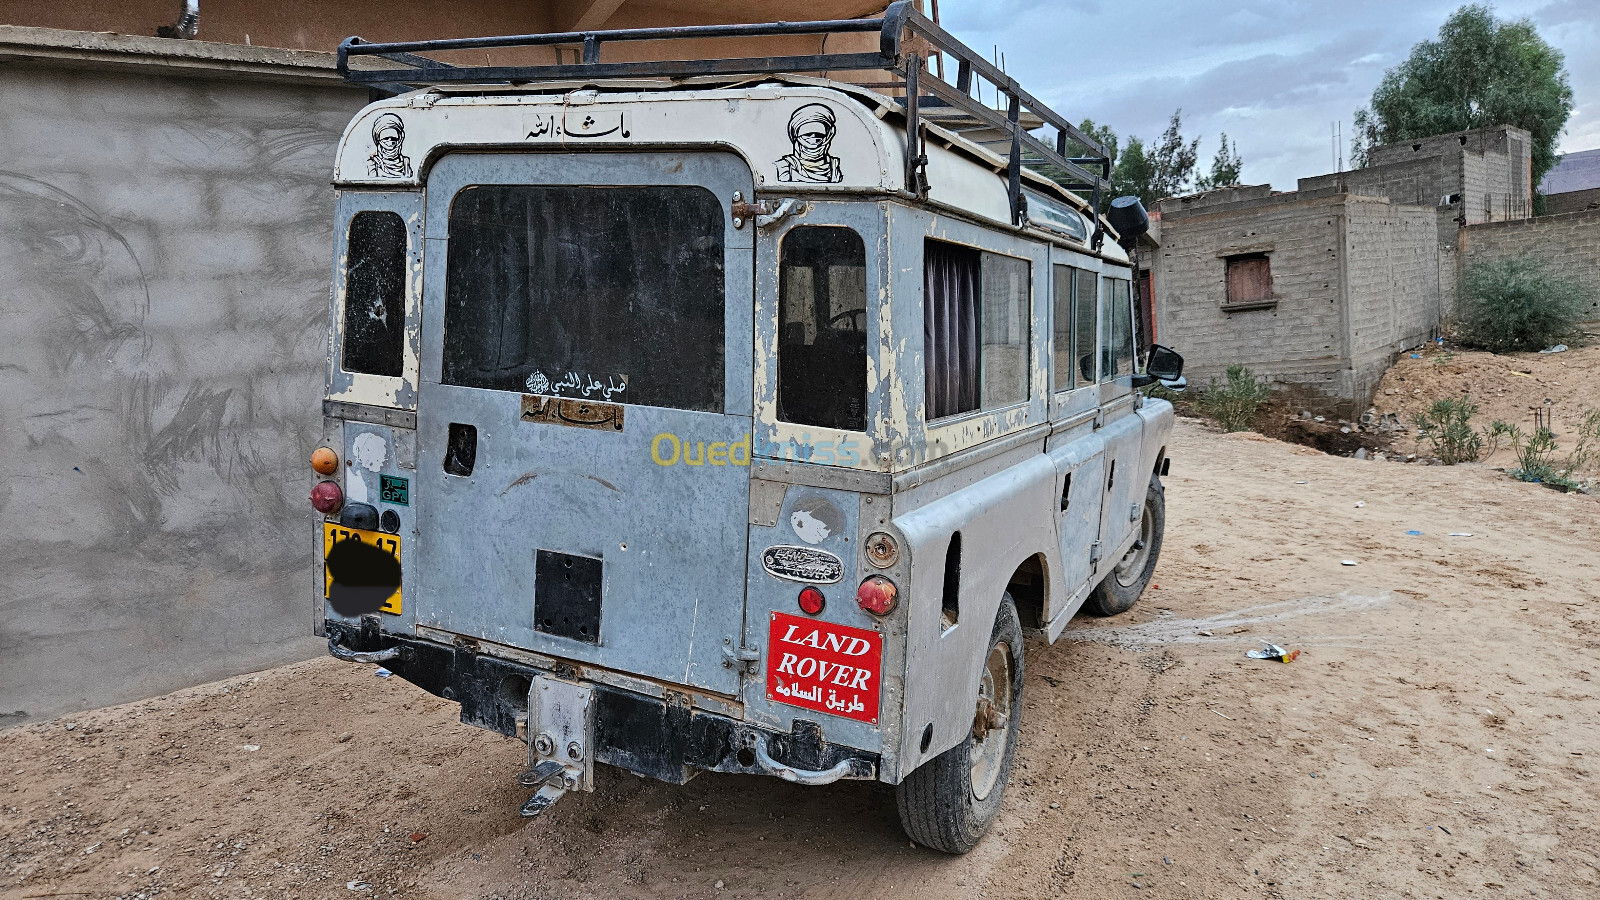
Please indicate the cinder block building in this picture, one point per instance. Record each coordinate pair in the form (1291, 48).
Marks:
(1467, 177)
(1318, 289)
(1315, 290)
(1574, 184)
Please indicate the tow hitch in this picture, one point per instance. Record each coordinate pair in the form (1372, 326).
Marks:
(560, 750)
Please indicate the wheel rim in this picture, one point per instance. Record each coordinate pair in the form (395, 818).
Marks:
(1131, 568)
(991, 724)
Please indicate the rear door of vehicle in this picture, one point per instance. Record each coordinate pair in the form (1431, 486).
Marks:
(586, 369)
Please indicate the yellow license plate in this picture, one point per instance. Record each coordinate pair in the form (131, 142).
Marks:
(333, 533)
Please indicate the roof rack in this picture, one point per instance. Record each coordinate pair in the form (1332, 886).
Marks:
(904, 33)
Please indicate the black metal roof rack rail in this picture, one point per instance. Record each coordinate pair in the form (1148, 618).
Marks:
(904, 36)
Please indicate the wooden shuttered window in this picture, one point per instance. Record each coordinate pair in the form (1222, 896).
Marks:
(1249, 279)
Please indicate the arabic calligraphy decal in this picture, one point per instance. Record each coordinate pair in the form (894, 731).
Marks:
(577, 124)
(577, 384)
(804, 564)
(825, 667)
(572, 413)
(811, 131)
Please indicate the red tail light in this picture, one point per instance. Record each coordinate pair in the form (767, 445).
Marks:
(812, 601)
(877, 595)
(327, 497)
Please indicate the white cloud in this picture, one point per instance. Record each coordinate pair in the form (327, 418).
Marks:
(1274, 74)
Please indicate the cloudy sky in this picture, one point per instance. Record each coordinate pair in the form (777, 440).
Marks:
(1273, 74)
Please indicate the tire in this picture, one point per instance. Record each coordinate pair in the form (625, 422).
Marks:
(1124, 584)
(939, 803)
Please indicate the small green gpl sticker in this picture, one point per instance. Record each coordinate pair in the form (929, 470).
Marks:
(394, 489)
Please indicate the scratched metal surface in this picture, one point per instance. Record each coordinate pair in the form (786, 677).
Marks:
(672, 538)
(165, 245)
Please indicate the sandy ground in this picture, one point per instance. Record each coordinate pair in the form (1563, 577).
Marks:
(1440, 737)
(1505, 387)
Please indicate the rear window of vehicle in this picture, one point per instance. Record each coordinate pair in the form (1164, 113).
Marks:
(822, 328)
(374, 293)
(607, 293)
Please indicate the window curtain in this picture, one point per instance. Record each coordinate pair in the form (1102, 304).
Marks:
(950, 327)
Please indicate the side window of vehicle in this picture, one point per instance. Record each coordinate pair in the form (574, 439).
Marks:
(1116, 324)
(976, 326)
(822, 328)
(1074, 339)
(374, 294)
(1084, 336)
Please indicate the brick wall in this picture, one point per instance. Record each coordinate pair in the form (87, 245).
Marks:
(1570, 242)
(1299, 342)
(1392, 287)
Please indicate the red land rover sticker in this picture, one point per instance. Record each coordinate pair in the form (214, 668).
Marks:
(826, 667)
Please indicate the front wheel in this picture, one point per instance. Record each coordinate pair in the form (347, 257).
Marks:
(1120, 589)
(950, 801)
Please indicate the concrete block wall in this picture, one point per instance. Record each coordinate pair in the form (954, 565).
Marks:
(1392, 286)
(1572, 201)
(1297, 344)
(165, 256)
(1570, 242)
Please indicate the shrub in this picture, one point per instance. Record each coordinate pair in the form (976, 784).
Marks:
(1536, 457)
(1497, 431)
(1235, 402)
(1447, 427)
(1517, 304)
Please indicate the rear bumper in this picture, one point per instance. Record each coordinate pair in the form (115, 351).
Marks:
(644, 735)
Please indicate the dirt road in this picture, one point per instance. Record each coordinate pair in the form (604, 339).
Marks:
(1438, 738)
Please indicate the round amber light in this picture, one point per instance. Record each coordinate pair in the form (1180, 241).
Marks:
(324, 461)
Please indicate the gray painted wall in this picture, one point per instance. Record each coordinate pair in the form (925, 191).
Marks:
(165, 247)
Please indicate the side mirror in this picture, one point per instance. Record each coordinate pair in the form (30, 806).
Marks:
(1164, 363)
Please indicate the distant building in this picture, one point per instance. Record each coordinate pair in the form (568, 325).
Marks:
(1574, 184)
(1318, 289)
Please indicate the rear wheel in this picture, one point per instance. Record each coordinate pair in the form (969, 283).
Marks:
(1120, 589)
(949, 802)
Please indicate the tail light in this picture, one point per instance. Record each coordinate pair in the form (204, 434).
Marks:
(877, 595)
(327, 497)
(812, 601)
(324, 461)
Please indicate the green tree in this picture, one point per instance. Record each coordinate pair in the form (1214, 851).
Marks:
(1225, 166)
(1101, 133)
(1172, 160)
(1481, 72)
(1134, 174)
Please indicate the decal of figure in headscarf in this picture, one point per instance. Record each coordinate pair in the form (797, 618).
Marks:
(388, 139)
(811, 131)
(814, 520)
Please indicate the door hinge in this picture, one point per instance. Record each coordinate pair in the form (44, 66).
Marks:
(1094, 553)
(744, 659)
(1133, 513)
